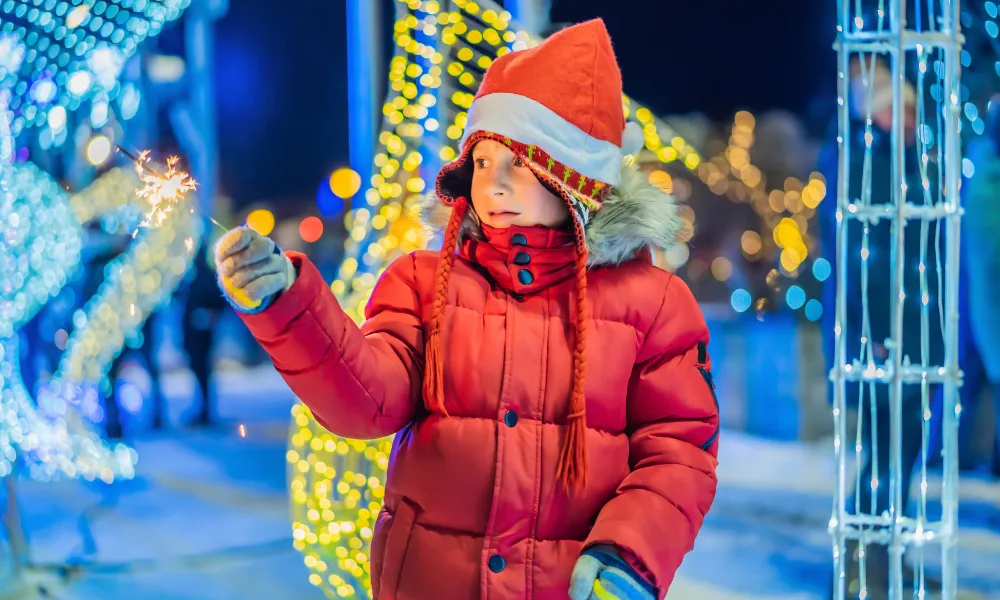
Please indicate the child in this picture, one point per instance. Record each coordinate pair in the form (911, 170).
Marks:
(549, 388)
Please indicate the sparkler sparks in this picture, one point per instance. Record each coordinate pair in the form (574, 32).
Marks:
(162, 191)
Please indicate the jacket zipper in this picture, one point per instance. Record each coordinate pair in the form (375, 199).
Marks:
(707, 376)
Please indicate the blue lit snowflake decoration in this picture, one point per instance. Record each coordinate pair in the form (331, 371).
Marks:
(54, 56)
(57, 54)
(40, 242)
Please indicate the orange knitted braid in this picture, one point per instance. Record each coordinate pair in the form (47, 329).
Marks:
(434, 348)
(572, 466)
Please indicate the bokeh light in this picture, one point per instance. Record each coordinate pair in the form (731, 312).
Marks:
(722, 268)
(795, 297)
(740, 300)
(662, 180)
(821, 269)
(261, 221)
(98, 150)
(311, 229)
(814, 310)
(345, 182)
(328, 203)
(677, 256)
(751, 242)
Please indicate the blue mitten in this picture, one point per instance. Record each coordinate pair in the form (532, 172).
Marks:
(601, 574)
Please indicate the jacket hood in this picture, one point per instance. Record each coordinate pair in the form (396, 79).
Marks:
(634, 215)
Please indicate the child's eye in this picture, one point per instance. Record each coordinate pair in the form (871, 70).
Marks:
(518, 162)
(480, 163)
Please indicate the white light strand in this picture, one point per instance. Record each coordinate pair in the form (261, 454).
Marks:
(938, 201)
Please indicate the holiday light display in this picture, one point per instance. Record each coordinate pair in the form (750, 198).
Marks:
(40, 246)
(61, 442)
(921, 347)
(39, 249)
(57, 54)
(54, 57)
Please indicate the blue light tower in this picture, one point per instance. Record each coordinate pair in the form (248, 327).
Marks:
(363, 73)
(531, 15)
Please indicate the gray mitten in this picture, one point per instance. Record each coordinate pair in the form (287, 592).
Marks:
(252, 270)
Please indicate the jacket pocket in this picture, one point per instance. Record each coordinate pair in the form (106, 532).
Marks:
(394, 553)
(710, 382)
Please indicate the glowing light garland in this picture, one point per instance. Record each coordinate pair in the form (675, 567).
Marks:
(57, 54)
(920, 351)
(40, 245)
(48, 225)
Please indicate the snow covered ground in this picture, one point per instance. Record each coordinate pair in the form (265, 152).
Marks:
(207, 517)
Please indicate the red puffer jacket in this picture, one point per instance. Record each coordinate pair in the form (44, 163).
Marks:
(473, 506)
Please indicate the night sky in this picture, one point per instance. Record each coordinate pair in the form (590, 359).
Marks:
(281, 75)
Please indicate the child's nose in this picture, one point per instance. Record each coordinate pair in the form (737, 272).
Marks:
(501, 182)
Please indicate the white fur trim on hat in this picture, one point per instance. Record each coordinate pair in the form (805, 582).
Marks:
(529, 122)
(633, 138)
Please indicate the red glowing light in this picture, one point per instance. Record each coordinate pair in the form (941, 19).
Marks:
(311, 229)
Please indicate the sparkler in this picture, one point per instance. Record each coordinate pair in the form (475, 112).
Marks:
(163, 192)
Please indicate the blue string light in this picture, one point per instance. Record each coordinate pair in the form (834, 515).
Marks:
(821, 269)
(62, 53)
(741, 300)
(54, 57)
(39, 246)
(795, 297)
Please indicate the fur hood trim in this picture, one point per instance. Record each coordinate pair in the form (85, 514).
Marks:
(634, 215)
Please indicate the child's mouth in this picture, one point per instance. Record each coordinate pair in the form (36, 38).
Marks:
(503, 213)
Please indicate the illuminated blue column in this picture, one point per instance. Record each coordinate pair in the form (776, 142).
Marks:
(200, 51)
(194, 121)
(532, 15)
(363, 68)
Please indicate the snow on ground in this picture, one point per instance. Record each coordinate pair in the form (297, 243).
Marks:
(207, 516)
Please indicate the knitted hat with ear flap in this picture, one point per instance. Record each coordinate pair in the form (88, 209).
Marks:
(558, 107)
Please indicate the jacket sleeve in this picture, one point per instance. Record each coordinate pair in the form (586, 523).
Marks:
(673, 427)
(361, 383)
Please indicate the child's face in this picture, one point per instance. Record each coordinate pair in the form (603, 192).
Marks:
(505, 192)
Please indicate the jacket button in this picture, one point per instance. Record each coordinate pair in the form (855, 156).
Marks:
(510, 418)
(497, 563)
(518, 239)
(525, 277)
(522, 258)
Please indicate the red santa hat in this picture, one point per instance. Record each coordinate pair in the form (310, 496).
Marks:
(558, 107)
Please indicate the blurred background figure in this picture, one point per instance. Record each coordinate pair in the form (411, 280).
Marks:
(981, 247)
(104, 249)
(202, 310)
